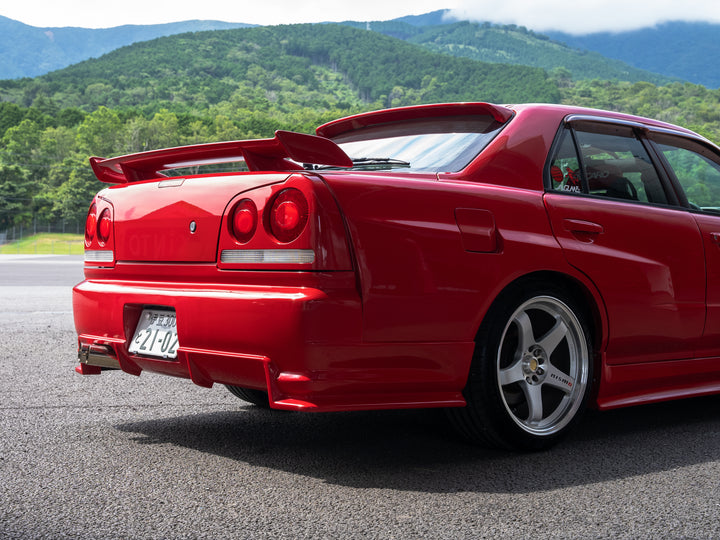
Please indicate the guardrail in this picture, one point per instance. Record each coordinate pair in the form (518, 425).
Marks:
(20, 232)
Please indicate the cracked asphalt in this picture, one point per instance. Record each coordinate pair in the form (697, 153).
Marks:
(118, 456)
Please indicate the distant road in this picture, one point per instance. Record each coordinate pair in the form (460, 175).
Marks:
(40, 270)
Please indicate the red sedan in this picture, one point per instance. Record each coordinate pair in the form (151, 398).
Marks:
(513, 264)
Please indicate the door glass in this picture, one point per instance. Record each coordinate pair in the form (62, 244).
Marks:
(698, 174)
(618, 166)
(614, 164)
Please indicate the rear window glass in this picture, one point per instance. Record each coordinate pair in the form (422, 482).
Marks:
(437, 145)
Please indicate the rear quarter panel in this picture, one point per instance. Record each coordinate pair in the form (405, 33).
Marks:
(419, 281)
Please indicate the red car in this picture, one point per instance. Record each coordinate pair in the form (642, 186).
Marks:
(513, 264)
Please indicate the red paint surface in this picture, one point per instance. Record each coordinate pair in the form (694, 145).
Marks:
(405, 267)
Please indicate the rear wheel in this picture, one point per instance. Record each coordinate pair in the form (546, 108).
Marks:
(256, 397)
(531, 375)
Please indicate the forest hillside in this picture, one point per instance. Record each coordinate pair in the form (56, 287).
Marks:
(247, 83)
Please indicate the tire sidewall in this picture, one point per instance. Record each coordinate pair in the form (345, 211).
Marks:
(486, 391)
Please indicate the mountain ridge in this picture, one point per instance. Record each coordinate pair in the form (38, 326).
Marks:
(679, 49)
(29, 51)
(509, 44)
(656, 54)
(211, 66)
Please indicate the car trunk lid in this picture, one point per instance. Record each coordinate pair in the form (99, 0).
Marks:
(178, 219)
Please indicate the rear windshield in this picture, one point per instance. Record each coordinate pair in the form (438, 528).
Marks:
(447, 144)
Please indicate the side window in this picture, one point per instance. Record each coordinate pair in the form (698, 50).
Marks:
(697, 169)
(565, 166)
(613, 163)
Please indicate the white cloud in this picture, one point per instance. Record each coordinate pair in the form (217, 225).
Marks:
(586, 16)
(94, 14)
(577, 17)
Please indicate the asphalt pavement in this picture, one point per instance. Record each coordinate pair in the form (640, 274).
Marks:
(118, 456)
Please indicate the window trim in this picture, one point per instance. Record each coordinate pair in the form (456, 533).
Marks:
(642, 132)
(574, 120)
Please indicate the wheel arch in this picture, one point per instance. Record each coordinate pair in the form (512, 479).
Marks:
(487, 419)
(584, 293)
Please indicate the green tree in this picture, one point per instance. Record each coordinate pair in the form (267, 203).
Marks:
(70, 117)
(100, 133)
(11, 115)
(20, 146)
(72, 198)
(15, 197)
(164, 130)
(56, 144)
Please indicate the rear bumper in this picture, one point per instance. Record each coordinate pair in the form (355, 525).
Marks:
(302, 343)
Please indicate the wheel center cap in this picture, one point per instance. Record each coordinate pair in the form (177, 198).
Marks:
(534, 365)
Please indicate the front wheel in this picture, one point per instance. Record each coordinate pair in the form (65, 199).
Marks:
(531, 375)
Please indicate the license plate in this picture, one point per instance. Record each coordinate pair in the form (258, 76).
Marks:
(156, 334)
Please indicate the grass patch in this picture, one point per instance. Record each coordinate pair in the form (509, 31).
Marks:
(47, 244)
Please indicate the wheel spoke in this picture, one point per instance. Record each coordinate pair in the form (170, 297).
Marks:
(554, 336)
(559, 379)
(541, 365)
(533, 394)
(512, 374)
(526, 337)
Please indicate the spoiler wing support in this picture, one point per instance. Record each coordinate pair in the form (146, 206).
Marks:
(287, 151)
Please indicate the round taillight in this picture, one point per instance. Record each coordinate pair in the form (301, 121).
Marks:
(244, 220)
(90, 224)
(104, 226)
(288, 215)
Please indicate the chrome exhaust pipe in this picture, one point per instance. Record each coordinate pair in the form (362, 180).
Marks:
(97, 355)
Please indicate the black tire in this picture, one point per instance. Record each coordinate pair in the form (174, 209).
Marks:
(256, 397)
(531, 374)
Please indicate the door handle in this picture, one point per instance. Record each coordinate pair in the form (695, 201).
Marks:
(585, 231)
(587, 227)
(715, 237)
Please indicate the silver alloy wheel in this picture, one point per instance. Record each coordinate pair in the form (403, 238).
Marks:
(542, 365)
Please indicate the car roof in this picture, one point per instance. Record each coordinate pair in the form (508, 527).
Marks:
(564, 111)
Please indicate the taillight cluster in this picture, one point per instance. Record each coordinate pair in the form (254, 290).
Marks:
(104, 227)
(98, 230)
(244, 220)
(293, 224)
(288, 215)
(285, 218)
(270, 227)
(90, 224)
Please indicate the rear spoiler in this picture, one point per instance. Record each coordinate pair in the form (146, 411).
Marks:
(345, 125)
(287, 151)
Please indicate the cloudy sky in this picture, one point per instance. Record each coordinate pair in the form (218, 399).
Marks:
(573, 17)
